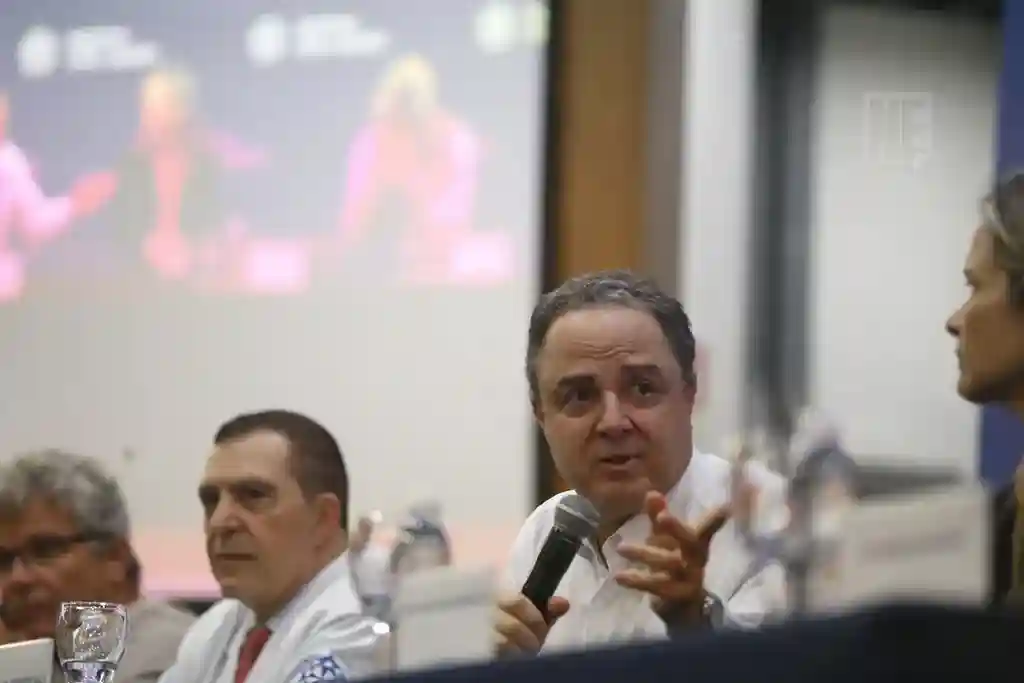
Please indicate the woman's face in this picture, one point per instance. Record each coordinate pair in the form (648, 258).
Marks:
(162, 109)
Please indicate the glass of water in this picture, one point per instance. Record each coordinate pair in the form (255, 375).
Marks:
(90, 640)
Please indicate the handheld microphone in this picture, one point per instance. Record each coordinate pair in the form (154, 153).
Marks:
(575, 520)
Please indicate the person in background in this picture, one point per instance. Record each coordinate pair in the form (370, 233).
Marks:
(275, 503)
(610, 366)
(28, 217)
(64, 535)
(168, 184)
(989, 333)
(411, 180)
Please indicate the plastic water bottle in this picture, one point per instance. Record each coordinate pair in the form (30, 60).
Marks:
(423, 541)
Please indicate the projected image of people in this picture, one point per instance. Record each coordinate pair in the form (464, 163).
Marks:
(166, 199)
(28, 217)
(168, 206)
(412, 176)
(265, 153)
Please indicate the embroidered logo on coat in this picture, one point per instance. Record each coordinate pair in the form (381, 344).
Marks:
(322, 669)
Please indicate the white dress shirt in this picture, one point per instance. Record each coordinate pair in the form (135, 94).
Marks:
(602, 611)
(321, 635)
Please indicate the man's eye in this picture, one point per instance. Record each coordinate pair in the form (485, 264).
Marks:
(47, 548)
(577, 395)
(7, 558)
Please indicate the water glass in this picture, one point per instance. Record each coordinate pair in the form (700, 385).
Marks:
(90, 640)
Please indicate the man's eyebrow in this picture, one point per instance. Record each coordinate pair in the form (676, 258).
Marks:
(575, 378)
(235, 484)
(642, 368)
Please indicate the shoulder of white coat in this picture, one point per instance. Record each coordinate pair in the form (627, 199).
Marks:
(341, 646)
(201, 632)
(328, 667)
(528, 542)
(339, 640)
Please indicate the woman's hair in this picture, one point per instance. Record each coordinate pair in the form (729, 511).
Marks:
(411, 77)
(1003, 214)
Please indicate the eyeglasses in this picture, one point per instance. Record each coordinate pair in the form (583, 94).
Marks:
(40, 550)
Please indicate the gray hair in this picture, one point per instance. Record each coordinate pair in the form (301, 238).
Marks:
(77, 483)
(620, 288)
(1003, 212)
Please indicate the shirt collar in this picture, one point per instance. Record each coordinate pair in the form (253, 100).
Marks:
(638, 527)
(337, 570)
(678, 498)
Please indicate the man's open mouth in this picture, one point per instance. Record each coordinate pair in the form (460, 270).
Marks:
(618, 460)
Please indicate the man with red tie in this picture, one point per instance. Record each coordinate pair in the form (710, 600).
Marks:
(275, 504)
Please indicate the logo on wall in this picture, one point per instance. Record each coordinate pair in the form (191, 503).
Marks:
(42, 51)
(273, 39)
(898, 129)
(501, 26)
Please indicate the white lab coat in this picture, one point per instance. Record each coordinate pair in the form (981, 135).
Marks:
(601, 611)
(320, 636)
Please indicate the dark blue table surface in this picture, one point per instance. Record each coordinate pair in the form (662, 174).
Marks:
(899, 644)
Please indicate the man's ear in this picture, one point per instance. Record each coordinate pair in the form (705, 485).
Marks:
(117, 557)
(327, 508)
(538, 414)
(690, 391)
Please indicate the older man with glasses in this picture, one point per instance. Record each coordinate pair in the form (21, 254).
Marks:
(64, 535)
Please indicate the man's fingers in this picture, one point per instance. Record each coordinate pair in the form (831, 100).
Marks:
(520, 626)
(557, 607)
(514, 635)
(524, 611)
(713, 523)
(660, 584)
(658, 559)
(685, 538)
(654, 504)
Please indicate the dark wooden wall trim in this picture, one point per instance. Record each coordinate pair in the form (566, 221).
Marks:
(595, 208)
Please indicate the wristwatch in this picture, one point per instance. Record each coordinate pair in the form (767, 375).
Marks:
(711, 616)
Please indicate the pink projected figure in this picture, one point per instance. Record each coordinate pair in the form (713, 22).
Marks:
(28, 217)
(413, 166)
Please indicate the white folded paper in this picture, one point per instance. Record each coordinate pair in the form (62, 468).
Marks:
(929, 547)
(30, 661)
(443, 616)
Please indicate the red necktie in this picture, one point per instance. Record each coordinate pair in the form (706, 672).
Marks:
(252, 646)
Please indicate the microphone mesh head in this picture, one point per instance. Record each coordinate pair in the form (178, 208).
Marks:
(576, 516)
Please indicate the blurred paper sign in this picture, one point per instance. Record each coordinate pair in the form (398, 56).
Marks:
(927, 547)
(443, 616)
(29, 661)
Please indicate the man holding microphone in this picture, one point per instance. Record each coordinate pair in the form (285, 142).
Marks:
(610, 364)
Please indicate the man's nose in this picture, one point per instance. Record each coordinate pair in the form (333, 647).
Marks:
(224, 516)
(953, 324)
(20, 573)
(614, 419)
